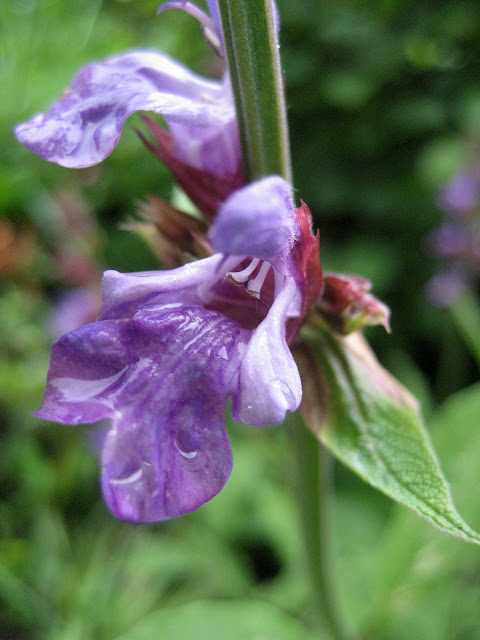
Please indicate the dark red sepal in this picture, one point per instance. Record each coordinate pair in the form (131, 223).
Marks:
(206, 191)
(307, 257)
(348, 305)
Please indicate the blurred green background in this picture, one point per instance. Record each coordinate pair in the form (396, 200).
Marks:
(384, 106)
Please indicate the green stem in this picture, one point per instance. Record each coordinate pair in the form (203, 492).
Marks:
(466, 315)
(251, 49)
(254, 64)
(316, 492)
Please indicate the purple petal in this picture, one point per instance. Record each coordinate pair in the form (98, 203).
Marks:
(122, 294)
(449, 240)
(74, 308)
(84, 126)
(211, 27)
(168, 451)
(446, 287)
(190, 8)
(460, 195)
(163, 378)
(213, 10)
(269, 382)
(214, 149)
(81, 386)
(258, 220)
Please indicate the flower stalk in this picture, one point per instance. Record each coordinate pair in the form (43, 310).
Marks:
(315, 491)
(249, 31)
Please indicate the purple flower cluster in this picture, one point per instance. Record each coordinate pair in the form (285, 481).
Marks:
(457, 241)
(170, 347)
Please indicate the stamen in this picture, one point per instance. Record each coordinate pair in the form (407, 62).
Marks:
(242, 276)
(255, 286)
(213, 40)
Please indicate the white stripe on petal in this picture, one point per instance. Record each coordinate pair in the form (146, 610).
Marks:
(79, 390)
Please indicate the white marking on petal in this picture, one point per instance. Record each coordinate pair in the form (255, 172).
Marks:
(223, 353)
(131, 479)
(279, 282)
(162, 307)
(206, 98)
(80, 390)
(189, 455)
(197, 337)
(242, 347)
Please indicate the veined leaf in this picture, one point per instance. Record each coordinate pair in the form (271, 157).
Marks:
(370, 422)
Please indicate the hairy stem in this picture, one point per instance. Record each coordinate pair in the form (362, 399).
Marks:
(251, 47)
(249, 31)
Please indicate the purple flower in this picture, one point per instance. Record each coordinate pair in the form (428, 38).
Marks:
(460, 195)
(84, 126)
(447, 286)
(169, 348)
(457, 241)
(451, 240)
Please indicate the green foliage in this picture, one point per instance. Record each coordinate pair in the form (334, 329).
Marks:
(383, 107)
(425, 583)
(220, 621)
(373, 424)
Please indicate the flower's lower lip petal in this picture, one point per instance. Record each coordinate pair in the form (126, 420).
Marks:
(84, 126)
(152, 471)
(269, 383)
(162, 376)
(168, 452)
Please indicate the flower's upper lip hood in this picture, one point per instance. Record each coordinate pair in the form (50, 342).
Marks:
(259, 221)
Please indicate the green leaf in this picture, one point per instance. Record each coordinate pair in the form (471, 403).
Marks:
(373, 425)
(227, 620)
